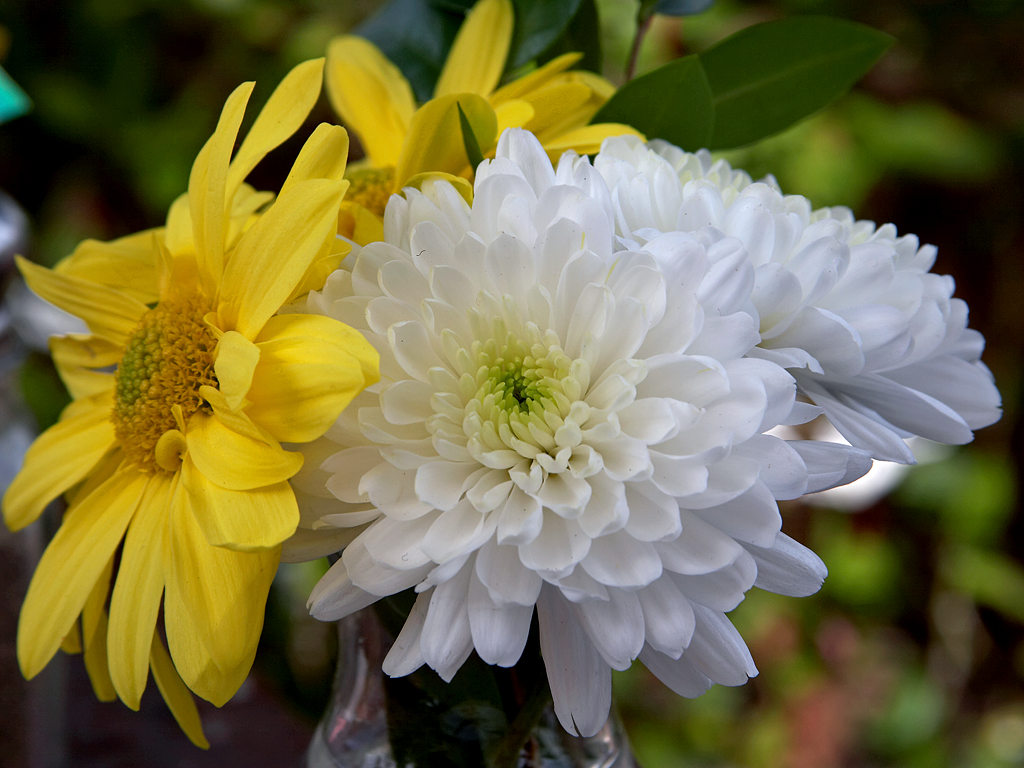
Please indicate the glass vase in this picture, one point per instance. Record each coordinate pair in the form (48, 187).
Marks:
(486, 717)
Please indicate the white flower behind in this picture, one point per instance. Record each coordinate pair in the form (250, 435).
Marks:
(567, 426)
(850, 310)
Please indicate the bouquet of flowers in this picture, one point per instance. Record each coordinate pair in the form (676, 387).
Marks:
(532, 371)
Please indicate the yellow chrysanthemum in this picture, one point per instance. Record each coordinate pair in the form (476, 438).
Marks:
(403, 143)
(184, 389)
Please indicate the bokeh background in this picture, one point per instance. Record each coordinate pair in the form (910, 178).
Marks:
(913, 652)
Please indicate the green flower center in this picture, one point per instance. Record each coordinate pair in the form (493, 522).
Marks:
(168, 357)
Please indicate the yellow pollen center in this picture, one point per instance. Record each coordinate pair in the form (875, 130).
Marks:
(168, 357)
(371, 188)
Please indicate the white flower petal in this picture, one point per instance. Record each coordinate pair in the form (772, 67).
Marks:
(446, 640)
(580, 679)
(788, 568)
(668, 617)
(499, 630)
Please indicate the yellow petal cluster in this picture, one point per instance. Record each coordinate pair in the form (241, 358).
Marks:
(170, 454)
(404, 144)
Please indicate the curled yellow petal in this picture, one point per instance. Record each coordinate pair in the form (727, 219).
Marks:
(236, 359)
(213, 606)
(371, 95)
(241, 520)
(311, 366)
(77, 356)
(478, 54)
(235, 461)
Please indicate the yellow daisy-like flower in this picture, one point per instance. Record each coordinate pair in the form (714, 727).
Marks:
(403, 143)
(183, 391)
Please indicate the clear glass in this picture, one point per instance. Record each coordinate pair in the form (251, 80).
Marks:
(354, 731)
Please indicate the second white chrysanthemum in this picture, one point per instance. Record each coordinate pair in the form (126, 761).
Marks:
(562, 426)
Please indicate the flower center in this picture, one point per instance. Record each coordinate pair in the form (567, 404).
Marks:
(167, 359)
(371, 188)
(521, 393)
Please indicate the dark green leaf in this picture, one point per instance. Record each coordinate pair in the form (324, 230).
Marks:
(673, 103)
(583, 35)
(537, 27)
(682, 7)
(469, 140)
(416, 36)
(767, 77)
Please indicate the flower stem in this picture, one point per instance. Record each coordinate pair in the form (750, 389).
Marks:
(507, 751)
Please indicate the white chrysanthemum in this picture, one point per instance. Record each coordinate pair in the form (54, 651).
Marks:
(851, 310)
(566, 426)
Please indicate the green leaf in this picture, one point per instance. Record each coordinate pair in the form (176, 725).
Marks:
(673, 102)
(582, 35)
(537, 27)
(416, 36)
(768, 76)
(469, 141)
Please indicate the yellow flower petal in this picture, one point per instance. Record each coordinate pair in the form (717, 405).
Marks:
(94, 636)
(135, 603)
(72, 642)
(237, 421)
(323, 156)
(558, 102)
(435, 135)
(358, 224)
(108, 312)
(235, 461)
(95, 657)
(521, 86)
(177, 696)
(273, 255)
(281, 116)
(477, 57)
(94, 610)
(241, 520)
(586, 140)
(213, 606)
(207, 187)
(462, 186)
(310, 368)
(59, 459)
(178, 235)
(76, 357)
(236, 359)
(514, 113)
(329, 259)
(71, 564)
(127, 264)
(371, 95)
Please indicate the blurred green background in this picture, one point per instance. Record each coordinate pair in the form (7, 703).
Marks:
(911, 655)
